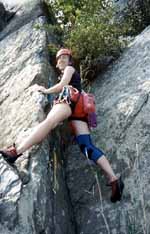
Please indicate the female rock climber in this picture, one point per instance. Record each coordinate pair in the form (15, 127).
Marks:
(62, 109)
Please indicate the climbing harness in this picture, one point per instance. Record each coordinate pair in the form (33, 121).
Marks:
(64, 96)
(81, 103)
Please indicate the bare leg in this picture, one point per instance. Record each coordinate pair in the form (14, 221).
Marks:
(58, 113)
(79, 128)
(105, 165)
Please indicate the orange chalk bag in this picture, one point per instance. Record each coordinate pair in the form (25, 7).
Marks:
(84, 106)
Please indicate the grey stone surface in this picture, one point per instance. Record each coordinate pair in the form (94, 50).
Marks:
(5, 16)
(2, 16)
(122, 5)
(47, 191)
(28, 200)
(26, 11)
(123, 133)
(138, 9)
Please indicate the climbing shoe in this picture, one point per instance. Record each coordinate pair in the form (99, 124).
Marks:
(117, 187)
(10, 154)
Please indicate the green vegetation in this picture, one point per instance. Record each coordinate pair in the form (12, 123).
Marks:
(89, 28)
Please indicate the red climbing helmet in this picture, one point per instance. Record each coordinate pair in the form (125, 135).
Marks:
(63, 51)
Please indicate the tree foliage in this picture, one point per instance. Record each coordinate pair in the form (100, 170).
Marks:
(88, 28)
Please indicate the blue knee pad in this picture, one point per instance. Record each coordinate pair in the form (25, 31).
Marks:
(86, 145)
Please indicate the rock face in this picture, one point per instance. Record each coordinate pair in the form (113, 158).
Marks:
(138, 9)
(122, 97)
(5, 16)
(27, 191)
(47, 191)
(123, 4)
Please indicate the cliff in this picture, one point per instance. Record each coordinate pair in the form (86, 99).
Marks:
(52, 188)
(27, 199)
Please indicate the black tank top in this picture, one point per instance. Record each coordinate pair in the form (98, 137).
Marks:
(76, 81)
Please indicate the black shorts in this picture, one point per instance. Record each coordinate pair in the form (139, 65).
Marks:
(84, 119)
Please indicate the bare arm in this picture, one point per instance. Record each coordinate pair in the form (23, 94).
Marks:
(68, 72)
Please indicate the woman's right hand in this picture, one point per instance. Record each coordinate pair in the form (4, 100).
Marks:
(39, 88)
